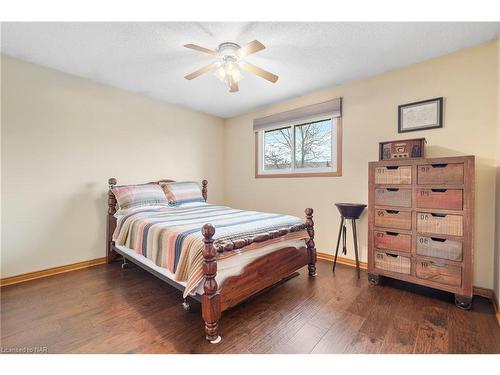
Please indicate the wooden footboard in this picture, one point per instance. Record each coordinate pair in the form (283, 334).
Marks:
(256, 276)
(260, 274)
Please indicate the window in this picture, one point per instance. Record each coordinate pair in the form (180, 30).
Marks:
(310, 148)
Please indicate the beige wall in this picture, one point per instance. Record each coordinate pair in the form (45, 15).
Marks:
(467, 81)
(63, 137)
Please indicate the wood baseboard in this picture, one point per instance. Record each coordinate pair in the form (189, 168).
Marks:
(483, 292)
(478, 291)
(341, 260)
(50, 271)
(496, 306)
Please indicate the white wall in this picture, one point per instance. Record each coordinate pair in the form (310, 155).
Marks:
(467, 81)
(63, 137)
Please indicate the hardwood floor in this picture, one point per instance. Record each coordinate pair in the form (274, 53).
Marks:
(106, 310)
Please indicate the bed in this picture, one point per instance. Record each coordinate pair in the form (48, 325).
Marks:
(215, 254)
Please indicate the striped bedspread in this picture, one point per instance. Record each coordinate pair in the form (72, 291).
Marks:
(171, 237)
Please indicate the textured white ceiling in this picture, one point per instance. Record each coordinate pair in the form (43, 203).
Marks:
(149, 58)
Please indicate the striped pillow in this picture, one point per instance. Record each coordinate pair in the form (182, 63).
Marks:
(182, 192)
(134, 196)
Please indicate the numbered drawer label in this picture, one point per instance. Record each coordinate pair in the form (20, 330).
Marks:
(440, 174)
(439, 272)
(393, 197)
(392, 262)
(392, 241)
(440, 223)
(439, 248)
(446, 199)
(393, 175)
(394, 219)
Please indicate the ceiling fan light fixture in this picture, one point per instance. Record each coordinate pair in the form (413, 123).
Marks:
(229, 72)
(230, 62)
(233, 70)
(237, 76)
(220, 73)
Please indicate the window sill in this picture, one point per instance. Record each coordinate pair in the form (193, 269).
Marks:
(308, 174)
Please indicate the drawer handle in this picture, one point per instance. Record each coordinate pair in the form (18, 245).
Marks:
(438, 239)
(439, 215)
(439, 165)
(392, 189)
(392, 233)
(391, 255)
(392, 167)
(439, 190)
(393, 212)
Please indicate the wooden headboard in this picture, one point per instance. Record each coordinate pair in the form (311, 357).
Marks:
(112, 207)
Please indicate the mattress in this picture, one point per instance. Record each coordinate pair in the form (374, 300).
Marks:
(225, 268)
(171, 238)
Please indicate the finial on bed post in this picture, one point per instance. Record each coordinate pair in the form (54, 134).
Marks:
(111, 221)
(211, 299)
(311, 246)
(204, 184)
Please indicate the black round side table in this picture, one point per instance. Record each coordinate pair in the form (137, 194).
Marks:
(348, 211)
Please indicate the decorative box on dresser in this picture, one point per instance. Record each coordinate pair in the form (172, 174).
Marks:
(420, 226)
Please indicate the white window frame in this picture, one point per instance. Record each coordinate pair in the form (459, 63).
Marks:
(336, 150)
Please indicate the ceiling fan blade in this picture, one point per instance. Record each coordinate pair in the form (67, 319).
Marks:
(233, 86)
(203, 70)
(250, 48)
(202, 49)
(260, 72)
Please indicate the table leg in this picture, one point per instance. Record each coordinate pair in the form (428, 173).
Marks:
(355, 239)
(338, 242)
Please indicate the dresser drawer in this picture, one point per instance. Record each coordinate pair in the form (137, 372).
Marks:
(392, 262)
(439, 248)
(439, 272)
(393, 175)
(393, 197)
(446, 199)
(392, 241)
(394, 219)
(440, 174)
(440, 223)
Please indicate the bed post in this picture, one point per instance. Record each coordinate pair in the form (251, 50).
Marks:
(311, 247)
(211, 298)
(111, 222)
(204, 184)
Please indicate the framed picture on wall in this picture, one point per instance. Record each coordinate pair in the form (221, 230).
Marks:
(426, 114)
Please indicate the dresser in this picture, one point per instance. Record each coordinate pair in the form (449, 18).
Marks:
(420, 223)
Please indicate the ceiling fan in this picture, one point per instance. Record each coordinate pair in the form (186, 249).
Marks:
(230, 58)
